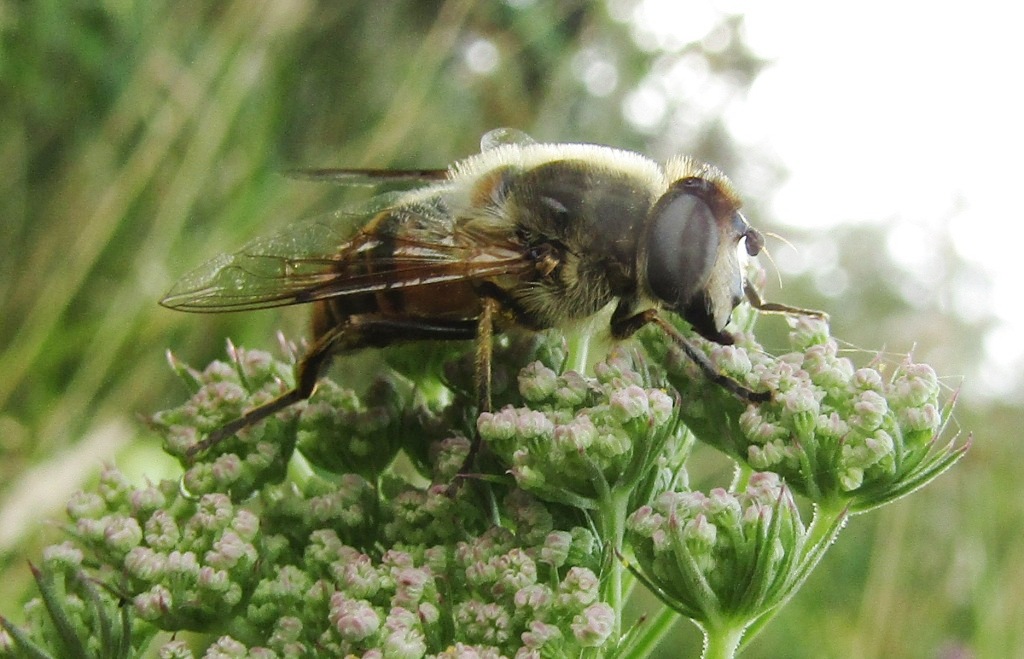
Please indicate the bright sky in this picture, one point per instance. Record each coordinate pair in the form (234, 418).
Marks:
(908, 113)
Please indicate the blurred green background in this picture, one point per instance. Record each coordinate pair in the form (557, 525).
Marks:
(138, 139)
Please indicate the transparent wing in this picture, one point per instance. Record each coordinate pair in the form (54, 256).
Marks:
(502, 136)
(368, 177)
(417, 244)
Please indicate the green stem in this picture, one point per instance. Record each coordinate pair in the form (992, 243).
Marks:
(577, 351)
(722, 642)
(823, 524)
(741, 477)
(614, 510)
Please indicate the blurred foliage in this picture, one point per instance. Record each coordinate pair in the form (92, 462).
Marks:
(139, 138)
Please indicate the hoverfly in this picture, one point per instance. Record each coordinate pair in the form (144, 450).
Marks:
(523, 233)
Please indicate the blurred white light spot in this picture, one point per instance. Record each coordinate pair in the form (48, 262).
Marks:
(911, 245)
(1000, 372)
(761, 32)
(832, 282)
(598, 74)
(971, 297)
(645, 107)
(717, 40)
(669, 24)
(481, 56)
(687, 79)
(969, 239)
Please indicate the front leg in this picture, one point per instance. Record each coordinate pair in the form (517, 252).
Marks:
(625, 323)
(756, 301)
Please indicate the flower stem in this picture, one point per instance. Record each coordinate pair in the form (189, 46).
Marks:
(613, 523)
(825, 524)
(578, 351)
(722, 642)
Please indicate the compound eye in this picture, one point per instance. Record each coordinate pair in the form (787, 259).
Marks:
(682, 245)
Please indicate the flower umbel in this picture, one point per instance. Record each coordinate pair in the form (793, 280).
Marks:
(846, 438)
(725, 559)
(578, 437)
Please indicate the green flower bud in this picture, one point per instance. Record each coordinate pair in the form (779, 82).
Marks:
(355, 620)
(594, 625)
(537, 382)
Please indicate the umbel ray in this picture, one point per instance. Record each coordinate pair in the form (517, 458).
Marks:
(522, 234)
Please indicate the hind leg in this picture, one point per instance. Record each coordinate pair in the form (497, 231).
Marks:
(353, 333)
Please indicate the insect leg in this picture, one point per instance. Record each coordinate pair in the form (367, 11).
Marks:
(754, 297)
(484, 355)
(624, 325)
(353, 333)
(306, 373)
